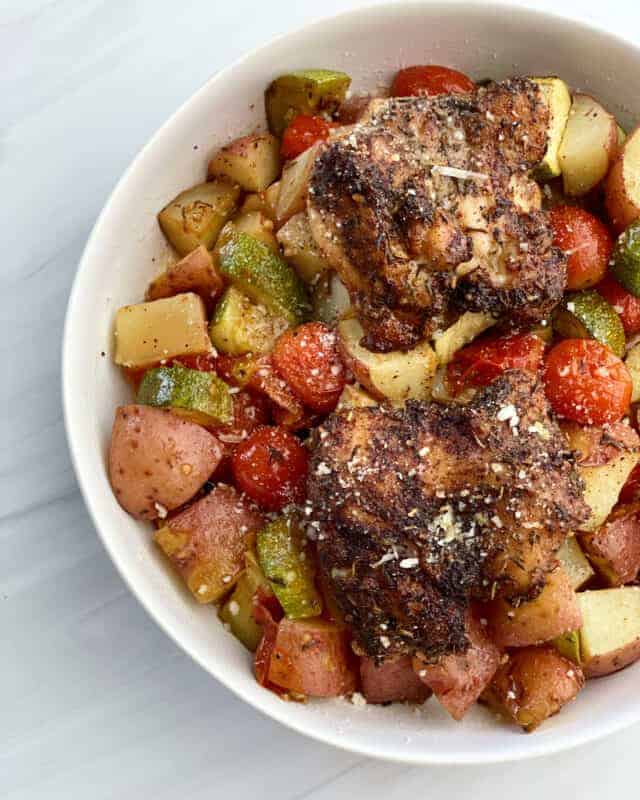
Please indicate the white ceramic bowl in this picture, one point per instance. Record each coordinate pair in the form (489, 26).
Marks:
(126, 249)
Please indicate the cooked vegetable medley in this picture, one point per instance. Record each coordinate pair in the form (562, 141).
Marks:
(384, 413)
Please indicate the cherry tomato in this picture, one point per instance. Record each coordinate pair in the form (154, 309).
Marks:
(481, 362)
(302, 132)
(204, 363)
(270, 466)
(307, 359)
(586, 241)
(430, 80)
(626, 305)
(586, 382)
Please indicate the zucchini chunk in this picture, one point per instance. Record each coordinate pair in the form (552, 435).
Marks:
(558, 99)
(265, 277)
(237, 612)
(304, 91)
(626, 259)
(240, 326)
(200, 396)
(288, 567)
(196, 216)
(299, 247)
(587, 315)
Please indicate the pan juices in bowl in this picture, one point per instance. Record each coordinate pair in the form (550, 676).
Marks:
(358, 44)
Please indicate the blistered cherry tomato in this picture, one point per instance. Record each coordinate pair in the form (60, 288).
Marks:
(586, 241)
(430, 80)
(307, 359)
(302, 132)
(586, 382)
(270, 466)
(625, 304)
(486, 359)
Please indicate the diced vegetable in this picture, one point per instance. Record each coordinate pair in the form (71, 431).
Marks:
(622, 190)
(302, 132)
(626, 305)
(307, 358)
(354, 396)
(193, 273)
(147, 333)
(265, 277)
(463, 331)
(554, 612)
(430, 80)
(292, 198)
(487, 358)
(604, 477)
(632, 363)
(586, 382)
(588, 145)
(240, 326)
(558, 100)
(331, 300)
(587, 315)
(158, 461)
(610, 633)
(568, 645)
(574, 563)
(586, 242)
(393, 681)
(206, 542)
(265, 202)
(395, 376)
(237, 612)
(300, 249)
(304, 91)
(533, 685)
(196, 216)
(288, 565)
(459, 680)
(251, 161)
(255, 224)
(270, 465)
(312, 657)
(626, 259)
(614, 549)
(631, 490)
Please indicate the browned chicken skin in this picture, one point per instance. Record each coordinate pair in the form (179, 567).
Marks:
(425, 208)
(421, 510)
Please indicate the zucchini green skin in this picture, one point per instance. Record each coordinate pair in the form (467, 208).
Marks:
(304, 91)
(237, 611)
(240, 326)
(202, 394)
(587, 315)
(265, 277)
(285, 562)
(626, 259)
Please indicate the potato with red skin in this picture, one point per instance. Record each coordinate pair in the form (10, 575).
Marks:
(196, 273)
(158, 460)
(270, 466)
(626, 305)
(614, 549)
(555, 611)
(586, 242)
(585, 382)
(312, 657)
(430, 80)
(207, 541)
(307, 359)
(393, 681)
(622, 187)
(458, 680)
(533, 684)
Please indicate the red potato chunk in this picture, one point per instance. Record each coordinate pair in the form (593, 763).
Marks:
(393, 681)
(532, 685)
(614, 549)
(206, 542)
(158, 461)
(312, 657)
(459, 680)
(555, 611)
(195, 273)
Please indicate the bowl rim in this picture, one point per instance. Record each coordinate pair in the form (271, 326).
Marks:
(538, 747)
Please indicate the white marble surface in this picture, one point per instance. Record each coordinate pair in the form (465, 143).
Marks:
(95, 701)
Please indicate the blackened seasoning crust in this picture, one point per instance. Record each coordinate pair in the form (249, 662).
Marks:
(420, 510)
(425, 207)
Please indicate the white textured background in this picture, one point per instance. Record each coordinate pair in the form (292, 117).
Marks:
(95, 701)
